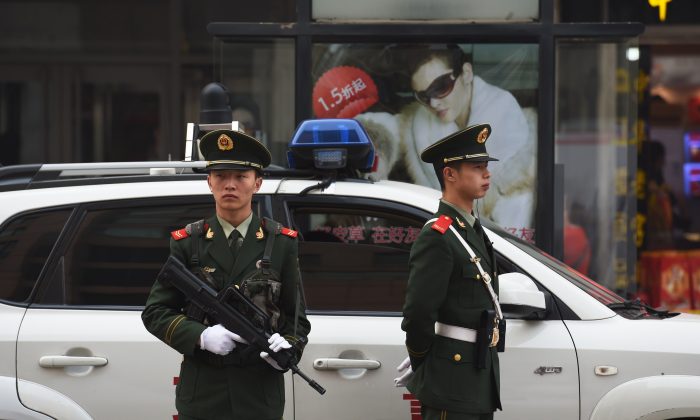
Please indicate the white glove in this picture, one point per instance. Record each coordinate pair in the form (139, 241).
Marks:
(277, 343)
(219, 340)
(407, 370)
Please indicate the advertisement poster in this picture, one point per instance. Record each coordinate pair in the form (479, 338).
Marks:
(410, 96)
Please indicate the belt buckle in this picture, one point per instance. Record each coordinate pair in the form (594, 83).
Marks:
(494, 337)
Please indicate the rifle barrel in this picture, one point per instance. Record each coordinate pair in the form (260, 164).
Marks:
(315, 385)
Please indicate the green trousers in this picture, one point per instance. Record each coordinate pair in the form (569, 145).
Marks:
(429, 413)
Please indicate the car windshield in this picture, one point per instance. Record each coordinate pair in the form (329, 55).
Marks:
(602, 294)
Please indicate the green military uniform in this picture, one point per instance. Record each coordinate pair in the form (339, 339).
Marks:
(446, 286)
(239, 385)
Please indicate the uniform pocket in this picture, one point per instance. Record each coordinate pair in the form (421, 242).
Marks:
(184, 391)
(455, 359)
(468, 284)
(458, 352)
(470, 270)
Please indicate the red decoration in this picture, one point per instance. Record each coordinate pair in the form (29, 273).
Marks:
(343, 92)
(289, 232)
(694, 110)
(667, 278)
(179, 234)
(442, 224)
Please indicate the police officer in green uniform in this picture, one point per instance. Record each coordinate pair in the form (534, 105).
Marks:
(220, 376)
(447, 295)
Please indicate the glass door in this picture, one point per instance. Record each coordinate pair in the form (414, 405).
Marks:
(595, 157)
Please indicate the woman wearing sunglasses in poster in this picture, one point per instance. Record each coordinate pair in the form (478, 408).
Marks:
(448, 98)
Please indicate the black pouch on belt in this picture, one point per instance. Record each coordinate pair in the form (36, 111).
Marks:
(484, 335)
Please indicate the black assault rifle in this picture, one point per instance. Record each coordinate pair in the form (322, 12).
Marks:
(224, 309)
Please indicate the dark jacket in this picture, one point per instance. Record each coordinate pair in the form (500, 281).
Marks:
(240, 385)
(443, 286)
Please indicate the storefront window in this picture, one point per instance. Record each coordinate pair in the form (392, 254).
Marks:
(260, 79)
(595, 141)
(471, 10)
(126, 26)
(409, 96)
(669, 174)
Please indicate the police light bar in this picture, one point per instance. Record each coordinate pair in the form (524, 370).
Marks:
(331, 144)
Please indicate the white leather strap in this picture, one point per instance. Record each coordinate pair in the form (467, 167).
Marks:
(455, 332)
(484, 275)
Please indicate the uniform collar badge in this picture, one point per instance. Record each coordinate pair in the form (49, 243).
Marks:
(460, 223)
(209, 269)
(210, 233)
(259, 234)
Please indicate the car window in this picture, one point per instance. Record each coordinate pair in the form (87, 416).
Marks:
(599, 292)
(114, 256)
(354, 259)
(25, 245)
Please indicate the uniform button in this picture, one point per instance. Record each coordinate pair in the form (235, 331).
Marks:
(458, 357)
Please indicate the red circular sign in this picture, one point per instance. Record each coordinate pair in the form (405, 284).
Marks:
(343, 92)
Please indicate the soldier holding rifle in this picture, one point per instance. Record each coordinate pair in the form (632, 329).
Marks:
(221, 376)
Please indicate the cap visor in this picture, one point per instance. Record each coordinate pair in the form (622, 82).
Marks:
(229, 166)
(479, 159)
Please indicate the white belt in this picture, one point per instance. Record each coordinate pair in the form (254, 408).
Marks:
(455, 332)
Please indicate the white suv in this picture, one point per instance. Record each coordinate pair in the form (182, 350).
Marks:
(81, 244)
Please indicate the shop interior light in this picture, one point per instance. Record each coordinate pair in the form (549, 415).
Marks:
(633, 53)
(331, 144)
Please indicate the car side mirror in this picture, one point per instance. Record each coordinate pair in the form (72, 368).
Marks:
(520, 298)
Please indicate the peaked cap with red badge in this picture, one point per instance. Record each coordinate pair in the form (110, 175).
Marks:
(230, 149)
(468, 145)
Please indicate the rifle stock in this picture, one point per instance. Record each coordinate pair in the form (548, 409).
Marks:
(218, 307)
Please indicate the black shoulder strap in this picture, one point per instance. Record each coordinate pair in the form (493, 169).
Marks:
(272, 228)
(195, 230)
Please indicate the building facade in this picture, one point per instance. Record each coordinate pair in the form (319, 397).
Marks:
(110, 81)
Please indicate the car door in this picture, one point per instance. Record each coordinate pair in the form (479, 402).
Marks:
(354, 260)
(25, 243)
(83, 336)
(539, 369)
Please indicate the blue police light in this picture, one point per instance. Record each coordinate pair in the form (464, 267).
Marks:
(331, 144)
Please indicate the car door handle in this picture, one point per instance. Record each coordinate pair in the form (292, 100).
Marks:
(337, 364)
(65, 361)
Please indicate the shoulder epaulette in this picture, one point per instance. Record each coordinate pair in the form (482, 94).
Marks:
(179, 234)
(196, 228)
(442, 224)
(273, 226)
(289, 232)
